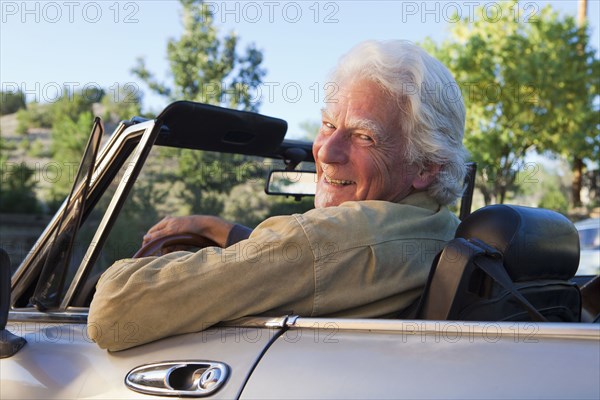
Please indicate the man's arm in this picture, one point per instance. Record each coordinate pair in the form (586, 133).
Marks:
(151, 298)
(214, 228)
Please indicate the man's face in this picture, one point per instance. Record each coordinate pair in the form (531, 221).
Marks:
(359, 149)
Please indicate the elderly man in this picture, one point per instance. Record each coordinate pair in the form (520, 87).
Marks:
(389, 158)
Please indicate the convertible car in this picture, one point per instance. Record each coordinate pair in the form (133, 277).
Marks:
(503, 314)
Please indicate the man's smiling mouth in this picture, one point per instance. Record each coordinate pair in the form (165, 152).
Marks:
(337, 181)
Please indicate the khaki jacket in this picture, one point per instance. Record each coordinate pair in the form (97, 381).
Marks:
(359, 259)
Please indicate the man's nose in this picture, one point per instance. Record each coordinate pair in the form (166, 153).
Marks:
(334, 149)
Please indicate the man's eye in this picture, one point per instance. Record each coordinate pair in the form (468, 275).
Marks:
(328, 125)
(365, 138)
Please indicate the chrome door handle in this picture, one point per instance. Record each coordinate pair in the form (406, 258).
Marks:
(178, 378)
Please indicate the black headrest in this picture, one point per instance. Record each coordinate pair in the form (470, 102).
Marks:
(536, 243)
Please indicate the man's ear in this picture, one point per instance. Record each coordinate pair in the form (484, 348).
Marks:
(426, 176)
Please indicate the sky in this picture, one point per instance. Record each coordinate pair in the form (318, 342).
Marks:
(45, 45)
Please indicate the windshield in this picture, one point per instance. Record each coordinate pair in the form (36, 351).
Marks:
(59, 250)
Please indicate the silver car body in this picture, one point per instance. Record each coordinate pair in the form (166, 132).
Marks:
(324, 359)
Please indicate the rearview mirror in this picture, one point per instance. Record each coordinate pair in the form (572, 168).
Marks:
(292, 183)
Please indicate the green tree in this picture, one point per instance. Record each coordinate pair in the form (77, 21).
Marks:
(71, 121)
(555, 200)
(11, 102)
(528, 83)
(18, 189)
(544, 186)
(74, 103)
(206, 68)
(17, 185)
(69, 138)
(574, 108)
(122, 103)
(69, 105)
(36, 115)
(209, 69)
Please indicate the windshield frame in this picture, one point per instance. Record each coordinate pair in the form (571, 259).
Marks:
(144, 134)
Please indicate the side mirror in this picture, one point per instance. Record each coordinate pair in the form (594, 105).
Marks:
(9, 343)
(292, 183)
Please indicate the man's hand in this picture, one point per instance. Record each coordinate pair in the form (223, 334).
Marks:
(213, 228)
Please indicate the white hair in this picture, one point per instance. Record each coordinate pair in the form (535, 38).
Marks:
(431, 114)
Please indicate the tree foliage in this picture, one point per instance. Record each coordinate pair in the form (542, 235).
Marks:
(69, 138)
(70, 119)
(11, 102)
(528, 83)
(17, 185)
(121, 104)
(207, 68)
(36, 115)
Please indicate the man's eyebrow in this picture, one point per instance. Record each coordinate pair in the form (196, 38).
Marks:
(360, 123)
(367, 125)
(325, 113)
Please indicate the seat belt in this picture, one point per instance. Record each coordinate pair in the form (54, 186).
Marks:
(492, 265)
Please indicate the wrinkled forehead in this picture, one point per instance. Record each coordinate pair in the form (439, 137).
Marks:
(362, 104)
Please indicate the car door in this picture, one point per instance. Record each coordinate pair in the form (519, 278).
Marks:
(60, 361)
(52, 288)
(327, 358)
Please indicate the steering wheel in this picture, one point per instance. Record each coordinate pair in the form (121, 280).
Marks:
(177, 239)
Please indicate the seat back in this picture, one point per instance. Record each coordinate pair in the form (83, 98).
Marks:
(506, 263)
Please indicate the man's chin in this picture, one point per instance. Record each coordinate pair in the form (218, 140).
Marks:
(322, 201)
(328, 200)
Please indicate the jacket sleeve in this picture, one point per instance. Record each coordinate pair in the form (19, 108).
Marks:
(155, 297)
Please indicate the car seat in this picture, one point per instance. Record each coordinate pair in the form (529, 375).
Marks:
(506, 263)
